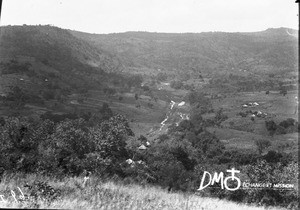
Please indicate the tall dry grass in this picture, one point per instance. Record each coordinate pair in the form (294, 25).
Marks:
(109, 195)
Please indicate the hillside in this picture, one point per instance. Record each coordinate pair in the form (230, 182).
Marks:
(110, 195)
(47, 69)
(53, 46)
(265, 52)
(35, 54)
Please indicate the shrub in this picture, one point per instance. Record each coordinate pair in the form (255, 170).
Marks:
(48, 94)
(287, 123)
(242, 114)
(176, 84)
(262, 144)
(283, 92)
(16, 98)
(265, 172)
(145, 88)
(271, 126)
(273, 156)
(136, 96)
(220, 117)
(200, 103)
(280, 130)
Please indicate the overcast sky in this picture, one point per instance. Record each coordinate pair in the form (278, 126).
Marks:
(109, 16)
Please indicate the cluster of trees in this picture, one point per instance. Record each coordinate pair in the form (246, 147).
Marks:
(67, 147)
(199, 102)
(14, 67)
(17, 98)
(289, 125)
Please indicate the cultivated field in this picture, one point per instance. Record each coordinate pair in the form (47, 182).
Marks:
(242, 132)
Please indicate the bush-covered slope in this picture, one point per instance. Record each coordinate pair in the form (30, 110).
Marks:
(47, 58)
(273, 50)
(52, 46)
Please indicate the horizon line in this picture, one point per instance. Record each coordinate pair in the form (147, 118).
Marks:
(139, 31)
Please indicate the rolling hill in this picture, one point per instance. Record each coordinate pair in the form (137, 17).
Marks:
(54, 46)
(48, 65)
(50, 58)
(265, 52)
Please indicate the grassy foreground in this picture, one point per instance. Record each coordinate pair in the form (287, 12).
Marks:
(108, 195)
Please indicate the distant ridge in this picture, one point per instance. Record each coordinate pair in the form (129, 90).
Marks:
(271, 50)
(54, 45)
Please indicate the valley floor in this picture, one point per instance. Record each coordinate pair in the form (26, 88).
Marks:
(109, 195)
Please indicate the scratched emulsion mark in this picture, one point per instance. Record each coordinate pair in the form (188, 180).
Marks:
(16, 196)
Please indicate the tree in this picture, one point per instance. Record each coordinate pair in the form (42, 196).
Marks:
(283, 92)
(134, 81)
(145, 88)
(264, 172)
(169, 162)
(282, 89)
(2, 121)
(273, 156)
(70, 142)
(220, 117)
(109, 91)
(161, 76)
(136, 96)
(271, 127)
(109, 139)
(48, 94)
(16, 98)
(150, 105)
(262, 144)
(287, 123)
(106, 111)
(20, 142)
(176, 84)
(195, 98)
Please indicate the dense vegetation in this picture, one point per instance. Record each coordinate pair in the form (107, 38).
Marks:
(107, 146)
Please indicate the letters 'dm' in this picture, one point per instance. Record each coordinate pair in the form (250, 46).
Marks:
(220, 178)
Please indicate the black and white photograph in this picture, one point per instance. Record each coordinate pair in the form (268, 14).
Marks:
(149, 104)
